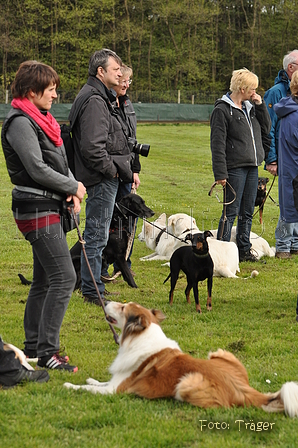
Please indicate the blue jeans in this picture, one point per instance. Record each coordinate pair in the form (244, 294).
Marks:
(99, 210)
(245, 183)
(286, 236)
(53, 282)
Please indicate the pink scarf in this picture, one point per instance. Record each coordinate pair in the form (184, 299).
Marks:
(47, 122)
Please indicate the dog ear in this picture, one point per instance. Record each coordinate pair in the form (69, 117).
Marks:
(189, 237)
(159, 315)
(207, 233)
(135, 324)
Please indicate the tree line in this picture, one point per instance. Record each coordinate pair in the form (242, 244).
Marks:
(187, 45)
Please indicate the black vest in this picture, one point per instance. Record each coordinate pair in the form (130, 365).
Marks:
(52, 155)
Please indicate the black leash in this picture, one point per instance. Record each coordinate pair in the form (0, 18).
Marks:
(116, 337)
(224, 211)
(152, 224)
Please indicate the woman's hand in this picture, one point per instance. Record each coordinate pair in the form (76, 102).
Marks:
(222, 182)
(76, 203)
(257, 99)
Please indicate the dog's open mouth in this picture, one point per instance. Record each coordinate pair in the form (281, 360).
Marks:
(111, 320)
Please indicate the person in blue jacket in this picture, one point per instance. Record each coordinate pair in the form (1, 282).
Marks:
(287, 112)
(280, 90)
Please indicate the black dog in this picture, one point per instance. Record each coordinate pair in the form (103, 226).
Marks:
(125, 212)
(261, 196)
(196, 262)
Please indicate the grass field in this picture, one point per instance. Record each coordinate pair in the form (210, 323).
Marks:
(254, 319)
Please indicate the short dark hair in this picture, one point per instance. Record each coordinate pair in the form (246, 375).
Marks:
(35, 76)
(100, 59)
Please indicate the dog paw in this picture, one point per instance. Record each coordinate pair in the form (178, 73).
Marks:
(71, 386)
(93, 382)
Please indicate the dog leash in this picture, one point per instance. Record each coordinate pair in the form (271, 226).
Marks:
(81, 240)
(224, 211)
(154, 225)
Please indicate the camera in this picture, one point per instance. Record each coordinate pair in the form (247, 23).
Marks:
(138, 148)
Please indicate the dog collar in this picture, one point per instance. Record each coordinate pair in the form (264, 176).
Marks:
(121, 211)
(201, 256)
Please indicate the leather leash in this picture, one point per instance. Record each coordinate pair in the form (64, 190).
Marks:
(224, 211)
(116, 337)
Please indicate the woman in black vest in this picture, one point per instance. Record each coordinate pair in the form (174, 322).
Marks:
(37, 165)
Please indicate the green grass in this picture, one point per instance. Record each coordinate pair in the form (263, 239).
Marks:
(255, 319)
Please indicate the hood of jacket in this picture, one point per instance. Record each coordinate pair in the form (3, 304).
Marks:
(226, 99)
(282, 76)
(286, 106)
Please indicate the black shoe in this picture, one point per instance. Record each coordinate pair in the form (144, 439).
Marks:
(36, 376)
(56, 362)
(94, 300)
(33, 354)
(247, 256)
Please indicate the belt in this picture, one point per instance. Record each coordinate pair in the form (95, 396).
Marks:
(47, 194)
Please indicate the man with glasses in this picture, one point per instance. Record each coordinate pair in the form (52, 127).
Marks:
(280, 90)
(129, 116)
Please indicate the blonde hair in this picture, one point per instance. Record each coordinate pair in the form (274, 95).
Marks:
(294, 84)
(126, 71)
(243, 79)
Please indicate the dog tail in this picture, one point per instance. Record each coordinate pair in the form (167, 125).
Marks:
(284, 400)
(24, 281)
(169, 276)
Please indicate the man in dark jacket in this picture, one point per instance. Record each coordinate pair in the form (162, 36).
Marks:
(102, 156)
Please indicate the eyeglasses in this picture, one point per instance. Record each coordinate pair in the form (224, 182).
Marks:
(294, 63)
(128, 81)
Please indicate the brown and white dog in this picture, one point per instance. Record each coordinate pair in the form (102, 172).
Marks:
(151, 365)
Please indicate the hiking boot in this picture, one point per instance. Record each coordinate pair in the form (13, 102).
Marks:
(247, 256)
(36, 376)
(283, 255)
(109, 293)
(56, 362)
